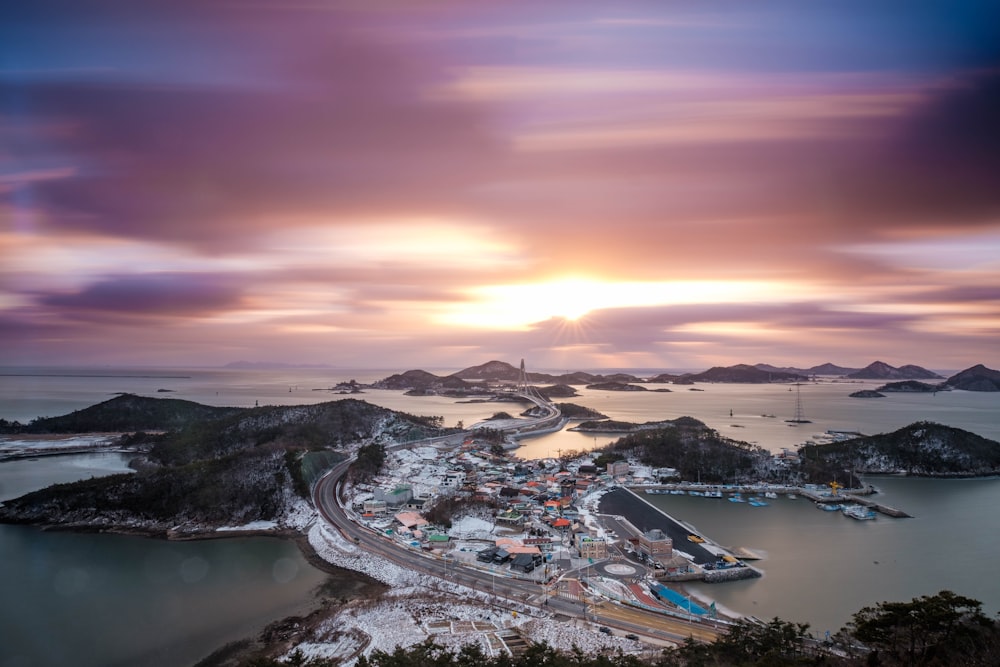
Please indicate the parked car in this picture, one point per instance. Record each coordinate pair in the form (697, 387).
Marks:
(633, 637)
(606, 630)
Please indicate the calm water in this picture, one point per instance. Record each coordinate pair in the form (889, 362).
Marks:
(820, 567)
(827, 403)
(105, 600)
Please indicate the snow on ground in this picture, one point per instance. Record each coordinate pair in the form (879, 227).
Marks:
(409, 617)
(419, 607)
(299, 513)
(41, 443)
(473, 528)
(253, 525)
(331, 546)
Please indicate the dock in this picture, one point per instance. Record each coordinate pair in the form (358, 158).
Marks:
(815, 494)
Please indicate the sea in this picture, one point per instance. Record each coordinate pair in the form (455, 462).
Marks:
(130, 600)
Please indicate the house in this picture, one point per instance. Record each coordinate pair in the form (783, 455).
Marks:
(438, 540)
(523, 563)
(561, 523)
(410, 520)
(486, 555)
(417, 504)
(511, 517)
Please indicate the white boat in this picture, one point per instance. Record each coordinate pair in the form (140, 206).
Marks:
(770, 494)
(859, 512)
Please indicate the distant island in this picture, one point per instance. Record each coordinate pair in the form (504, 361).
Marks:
(866, 393)
(977, 378)
(879, 370)
(482, 379)
(908, 386)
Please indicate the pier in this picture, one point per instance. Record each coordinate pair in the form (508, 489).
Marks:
(815, 494)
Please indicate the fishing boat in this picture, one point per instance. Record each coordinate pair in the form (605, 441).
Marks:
(827, 507)
(770, 494)
(736, 498)
(757, 502)
(859, 512)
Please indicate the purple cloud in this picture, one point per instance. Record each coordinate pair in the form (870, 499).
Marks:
(164, 294)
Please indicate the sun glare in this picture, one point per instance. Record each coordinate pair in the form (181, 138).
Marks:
(518, 306)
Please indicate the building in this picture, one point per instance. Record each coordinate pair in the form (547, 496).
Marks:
(618, 468)
(374, 508)
(593, 549)
(395, 498)
(655, 545)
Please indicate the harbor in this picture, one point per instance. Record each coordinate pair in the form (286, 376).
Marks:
(695, 557)
(836, 496)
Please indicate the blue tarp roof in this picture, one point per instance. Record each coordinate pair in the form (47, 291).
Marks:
(676, 598)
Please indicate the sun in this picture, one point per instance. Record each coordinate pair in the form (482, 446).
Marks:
(570, 298)
(521, 305)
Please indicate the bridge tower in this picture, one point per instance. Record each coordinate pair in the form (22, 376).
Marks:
(522, 380)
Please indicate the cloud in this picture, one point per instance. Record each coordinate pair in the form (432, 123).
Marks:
(935, 169)
(334, 125)
(158, 295)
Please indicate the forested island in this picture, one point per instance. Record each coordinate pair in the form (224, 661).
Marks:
(199, 467)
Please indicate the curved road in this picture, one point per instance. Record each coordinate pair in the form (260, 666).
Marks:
(328, 501)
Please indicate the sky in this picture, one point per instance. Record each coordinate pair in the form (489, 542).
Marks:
(428, 184)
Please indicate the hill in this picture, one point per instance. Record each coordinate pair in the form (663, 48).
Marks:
(878, 370)
(822, 369)
(743, 373)
(128, 413)
(247, 465)
(501, 371)
(616, 386)
(977, 378)
(424, 381)
(908, 386)
(922, 448)
(694, 450)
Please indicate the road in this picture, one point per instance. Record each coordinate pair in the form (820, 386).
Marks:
(329, 502)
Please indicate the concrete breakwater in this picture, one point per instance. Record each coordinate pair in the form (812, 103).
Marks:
(730, 574)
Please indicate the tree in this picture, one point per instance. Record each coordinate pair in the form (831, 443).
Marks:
(940, 629)
(370, 460)
(774, 643)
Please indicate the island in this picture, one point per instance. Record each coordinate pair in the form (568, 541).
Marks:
(203, 469)
(866, 393)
